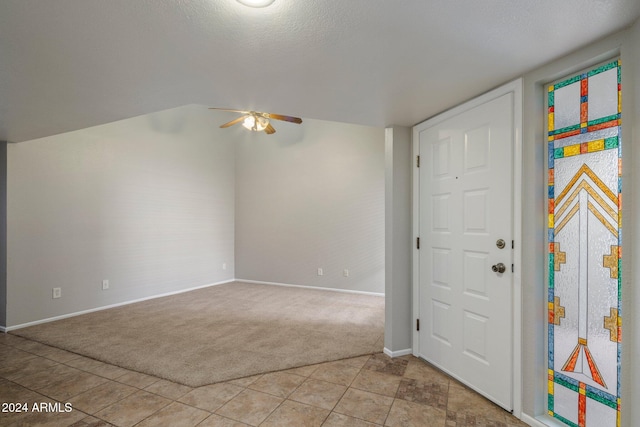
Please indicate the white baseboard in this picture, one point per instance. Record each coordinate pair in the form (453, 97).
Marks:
(348, 291)
(3, 329)
(105, 307)
(541, 421)
(397, 353)
(532, 421)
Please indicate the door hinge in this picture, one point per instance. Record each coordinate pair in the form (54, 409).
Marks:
(512, 245)
(417, 324)
(417, 161)
(417, 243)
(512, 268)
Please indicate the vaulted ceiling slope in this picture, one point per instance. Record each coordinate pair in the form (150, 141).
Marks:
(71, 64)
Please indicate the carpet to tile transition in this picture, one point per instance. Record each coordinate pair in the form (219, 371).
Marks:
(223, 332)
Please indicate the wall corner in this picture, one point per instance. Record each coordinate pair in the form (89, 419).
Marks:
(3, 234)
(398, 257)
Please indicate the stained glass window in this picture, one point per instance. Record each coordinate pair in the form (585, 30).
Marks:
(585, 248)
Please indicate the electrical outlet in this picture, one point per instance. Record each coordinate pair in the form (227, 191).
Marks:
(345, 272)
(105, 285)
(224, 265)
(320, 272)
(57, 293)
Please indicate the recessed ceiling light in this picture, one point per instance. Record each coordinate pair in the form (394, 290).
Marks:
(256, 3)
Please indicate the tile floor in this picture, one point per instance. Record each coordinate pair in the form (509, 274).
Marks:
(358, 392)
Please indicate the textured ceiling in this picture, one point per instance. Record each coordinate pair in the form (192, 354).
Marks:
(71, 64)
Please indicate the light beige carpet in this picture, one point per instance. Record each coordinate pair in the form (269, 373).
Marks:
(223, 332)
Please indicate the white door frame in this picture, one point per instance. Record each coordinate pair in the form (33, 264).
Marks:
(514, 87)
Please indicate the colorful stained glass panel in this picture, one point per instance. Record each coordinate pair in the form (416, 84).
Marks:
(585, 247)
(567, 107)
(603, 94)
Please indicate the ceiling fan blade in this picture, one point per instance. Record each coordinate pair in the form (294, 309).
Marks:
(269, 129)
(233, 122)
(231, 110)
(284, 118)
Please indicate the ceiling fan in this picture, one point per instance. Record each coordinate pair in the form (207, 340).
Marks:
(257, 121)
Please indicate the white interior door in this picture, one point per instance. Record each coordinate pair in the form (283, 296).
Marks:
(465, 208)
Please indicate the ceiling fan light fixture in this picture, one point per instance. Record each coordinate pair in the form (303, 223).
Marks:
(255, 123)
(256, 3)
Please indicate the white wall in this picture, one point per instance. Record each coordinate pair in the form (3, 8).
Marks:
(398, 240)
(147, 203)
(631, 217)
(534, 253)
(3, 233)
(152, 204)
(309, 197)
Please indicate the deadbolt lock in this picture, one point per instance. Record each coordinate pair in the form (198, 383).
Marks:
(499, 268)
(500, 244)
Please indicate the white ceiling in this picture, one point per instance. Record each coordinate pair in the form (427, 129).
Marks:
(71, 64)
